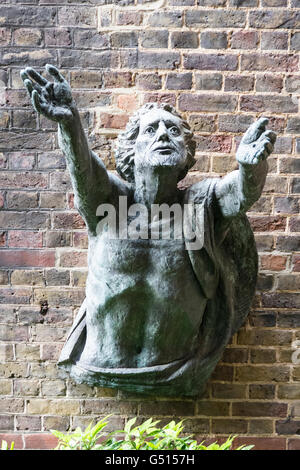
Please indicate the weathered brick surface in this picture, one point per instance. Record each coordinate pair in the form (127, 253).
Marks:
(223, 64)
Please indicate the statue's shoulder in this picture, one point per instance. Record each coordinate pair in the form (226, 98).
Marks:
(201, 190)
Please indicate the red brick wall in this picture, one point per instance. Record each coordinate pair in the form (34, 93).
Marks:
(223, 63)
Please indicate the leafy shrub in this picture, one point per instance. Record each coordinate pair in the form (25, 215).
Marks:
(146, 436)
(4, 445)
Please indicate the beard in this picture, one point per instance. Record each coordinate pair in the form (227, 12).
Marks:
(156, 159)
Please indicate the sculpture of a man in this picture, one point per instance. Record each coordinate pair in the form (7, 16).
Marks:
(157, 314)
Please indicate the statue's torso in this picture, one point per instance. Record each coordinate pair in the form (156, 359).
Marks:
(144, 304)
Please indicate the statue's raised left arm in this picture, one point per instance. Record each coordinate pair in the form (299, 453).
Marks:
(240, 189)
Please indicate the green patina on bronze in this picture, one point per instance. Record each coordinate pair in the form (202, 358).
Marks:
(157, 314)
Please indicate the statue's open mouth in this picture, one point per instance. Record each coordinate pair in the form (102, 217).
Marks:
(164, 150)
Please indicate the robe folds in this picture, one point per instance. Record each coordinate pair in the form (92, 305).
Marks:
(225, 266)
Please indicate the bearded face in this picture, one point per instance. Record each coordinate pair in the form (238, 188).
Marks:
(160, 141)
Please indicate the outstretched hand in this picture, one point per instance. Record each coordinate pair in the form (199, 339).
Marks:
(52, 99)
(257, 143)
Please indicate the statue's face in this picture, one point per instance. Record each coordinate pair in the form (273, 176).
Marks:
(160, 141)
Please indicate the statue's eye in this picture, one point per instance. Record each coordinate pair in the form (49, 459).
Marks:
(174, 130)
(149, 130)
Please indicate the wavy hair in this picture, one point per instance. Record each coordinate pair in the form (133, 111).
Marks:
(125, 146)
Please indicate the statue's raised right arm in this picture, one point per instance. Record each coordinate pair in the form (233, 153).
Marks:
(92, 184)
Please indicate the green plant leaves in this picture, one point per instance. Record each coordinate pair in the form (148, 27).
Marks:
(146, 436)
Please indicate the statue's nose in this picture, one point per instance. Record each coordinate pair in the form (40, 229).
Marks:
(162, 133)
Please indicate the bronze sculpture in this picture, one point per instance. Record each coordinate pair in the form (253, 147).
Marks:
(158, 311)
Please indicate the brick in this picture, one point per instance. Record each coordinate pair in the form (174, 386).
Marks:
(274, 40)
(25, 239)
(28, 180)
(97, 406)
(208, 81)
(211, 408)
(40, 441)
(238, 83)
(280, 300)
(288, 426)
(124, 39)
(293, 444)
(128, 18)
(233, 355)
(288, 205)
(185, 40)
(28, 423)
(53, 200)
(72, 259)
(289, 391)
(215, 143)
(210, 61)
(269, 62)
(268, 103)
(229, 391)
(169, 98)
(258, 391)
(28, 16)
(287, 243)
(235, 123)
(6, 387)
(221, 18)
(23, 258)
(54, 388)
(27, 37)
(262, 443)
(161, 60)
(229, 425)
(273, 262)
(203, 122)
(295, 224)
(154, 39)
(165, 19)
(295, 41)
(67, 220)
(60, 181)
(275, 19)
(263, 356)
(22, 200)
(57, 239)
(274, 3)
(74, 16)
(292, 84)
(26, 387)
(6, 423)
(94, 59)
(205, 102)
(260, 373)
(117, 79)
(244, 40)
(11, 405)
(213, 40)
(49, 160)
(265, 337)
(295, 185)
(267, 224)
(269, 83)
(59, 423)
(91, 39)
(58, 37)
(5, 36)
(260, 426)
(29, 277)
(114, 121)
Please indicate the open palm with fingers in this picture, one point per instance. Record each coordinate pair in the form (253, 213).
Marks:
(257, 143)
(52, 99)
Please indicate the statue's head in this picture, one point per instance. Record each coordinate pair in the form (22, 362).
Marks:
(157, 136)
